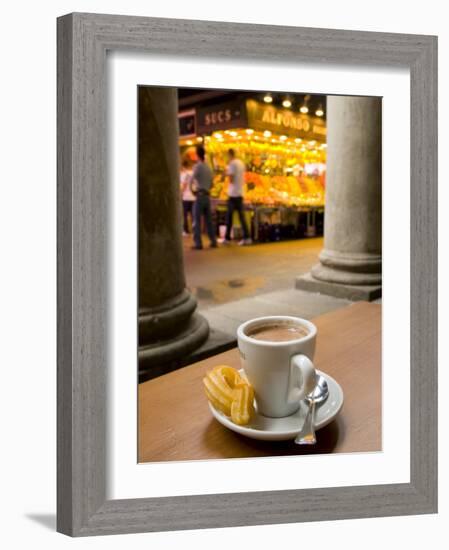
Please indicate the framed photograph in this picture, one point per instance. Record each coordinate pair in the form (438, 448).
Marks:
(247, 274)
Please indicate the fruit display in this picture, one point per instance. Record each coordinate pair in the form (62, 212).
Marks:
(276, 173)
(264, 155)
(280, 171)
(230, 393)
(267, 190)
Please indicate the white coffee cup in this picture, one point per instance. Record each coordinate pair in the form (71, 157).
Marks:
(281, 372)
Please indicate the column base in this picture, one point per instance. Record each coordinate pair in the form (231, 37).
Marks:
(349, 268)
(193, 335)
(165, 321)
(354, 293)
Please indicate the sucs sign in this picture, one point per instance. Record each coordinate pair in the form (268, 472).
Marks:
(221, 117)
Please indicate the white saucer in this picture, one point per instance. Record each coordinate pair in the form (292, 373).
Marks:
(288, 427)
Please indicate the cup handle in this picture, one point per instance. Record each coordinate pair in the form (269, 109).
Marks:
(302, 377)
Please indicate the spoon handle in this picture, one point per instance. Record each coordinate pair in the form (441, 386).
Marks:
(307, 434)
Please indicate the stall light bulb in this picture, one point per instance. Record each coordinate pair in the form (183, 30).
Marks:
(304, 109)
(218, 136)
(283, 138)
(249, 131)
(298, 140)
(199, 139)
(286, 103)
(189, 142)
(233, 134)
(319, 112)
(267, 133)
(268, 99)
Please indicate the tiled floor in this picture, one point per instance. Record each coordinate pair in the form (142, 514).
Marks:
(233, 284)
(230, 273)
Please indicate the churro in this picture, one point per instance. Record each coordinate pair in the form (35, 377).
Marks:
(230, 393)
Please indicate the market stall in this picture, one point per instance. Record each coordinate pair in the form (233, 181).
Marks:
(285, 157)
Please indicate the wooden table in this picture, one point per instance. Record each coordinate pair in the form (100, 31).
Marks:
(175, 422)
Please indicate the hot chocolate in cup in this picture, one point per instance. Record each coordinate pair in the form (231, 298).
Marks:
(277, 355)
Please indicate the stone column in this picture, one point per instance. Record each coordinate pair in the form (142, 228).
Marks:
(351, 261)
(169, 327)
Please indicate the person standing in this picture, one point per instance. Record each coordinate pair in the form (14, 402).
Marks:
(201, 185)
(188, 198)
(236, 174)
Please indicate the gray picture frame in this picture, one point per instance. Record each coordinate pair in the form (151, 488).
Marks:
(83, 40)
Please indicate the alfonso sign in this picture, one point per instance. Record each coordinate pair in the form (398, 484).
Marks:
(284, 121)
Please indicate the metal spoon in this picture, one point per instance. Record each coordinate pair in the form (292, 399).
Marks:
(307, 434)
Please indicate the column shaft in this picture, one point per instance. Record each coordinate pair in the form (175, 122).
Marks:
(353, 216)
(168, 325)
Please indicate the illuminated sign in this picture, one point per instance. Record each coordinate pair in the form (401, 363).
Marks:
(258, 116)
(284, 121)
(221, 117)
